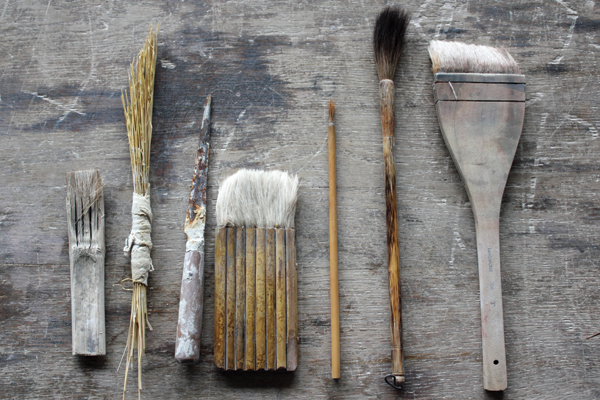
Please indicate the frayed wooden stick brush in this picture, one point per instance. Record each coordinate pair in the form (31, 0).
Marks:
(85, 215)
(388, 45)
(480, 103)
(189, 324)
(138, 115)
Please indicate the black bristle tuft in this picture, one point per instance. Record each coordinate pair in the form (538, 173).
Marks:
(389, 39)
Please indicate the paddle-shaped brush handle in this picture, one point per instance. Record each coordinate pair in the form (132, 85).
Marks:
(490, 288)
(386, 97)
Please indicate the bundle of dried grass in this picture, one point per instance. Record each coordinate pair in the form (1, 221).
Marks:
(138, 114)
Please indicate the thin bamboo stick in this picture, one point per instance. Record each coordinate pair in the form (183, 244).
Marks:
(280, 291)
(230, 302)
(292, 299)
(240, 296)
(250, 298)
(261, 344)
(270, 303)
(220, 282)
(333, 251)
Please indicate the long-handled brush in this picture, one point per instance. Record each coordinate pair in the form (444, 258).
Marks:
(333, 251)
(480, 103)
(388, 45)
(138, 115)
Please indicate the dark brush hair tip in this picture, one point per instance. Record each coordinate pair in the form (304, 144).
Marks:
(331, 110)
(389, 38)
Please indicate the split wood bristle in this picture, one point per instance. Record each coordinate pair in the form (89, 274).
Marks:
(458, 57)
(389, 38)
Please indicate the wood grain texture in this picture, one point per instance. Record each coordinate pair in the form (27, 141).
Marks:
(272, 67)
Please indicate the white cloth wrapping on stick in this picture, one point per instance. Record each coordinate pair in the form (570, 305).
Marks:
(139, 243)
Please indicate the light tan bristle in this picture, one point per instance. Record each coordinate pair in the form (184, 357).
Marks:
(262, 199)
(459, 57)
(138, 116)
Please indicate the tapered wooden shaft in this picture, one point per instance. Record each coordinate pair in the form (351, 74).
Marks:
(386, 96)
(230, 301)
(250, 298)
(240, 297)
(261, 343)
(490, 289)
(333, 258)
(270, 301)
(291, 299)
(280, 294)
(220, 285)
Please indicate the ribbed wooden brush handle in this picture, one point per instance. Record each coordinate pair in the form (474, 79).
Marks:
(386, 96)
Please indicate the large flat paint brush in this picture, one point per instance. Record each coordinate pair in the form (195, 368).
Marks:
(388, 45)
(256, 317)
(480, 103)
(189, 324)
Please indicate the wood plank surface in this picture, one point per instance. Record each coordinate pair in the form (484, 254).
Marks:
(272, 67)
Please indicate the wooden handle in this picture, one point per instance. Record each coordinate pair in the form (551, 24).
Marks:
(333, 254)
(240, 297)
(490, 287)
(261, 283)
(250, 299)
(386, 96)
(270, 297)
(189, 325)
(291, 299)
(280, 294)
(220, 282)
(230, 300)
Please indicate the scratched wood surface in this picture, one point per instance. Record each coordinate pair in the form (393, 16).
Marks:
(272, 67)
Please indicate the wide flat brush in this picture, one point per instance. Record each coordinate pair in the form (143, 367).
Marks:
(480, 103)
(256, 318)
(388, 45)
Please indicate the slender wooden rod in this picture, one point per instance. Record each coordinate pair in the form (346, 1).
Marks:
(333, 250)
(386, 96)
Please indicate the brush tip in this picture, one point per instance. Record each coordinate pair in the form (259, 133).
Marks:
(389, 37)
(331, 110)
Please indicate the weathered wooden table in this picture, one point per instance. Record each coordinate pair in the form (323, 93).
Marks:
(272, 67)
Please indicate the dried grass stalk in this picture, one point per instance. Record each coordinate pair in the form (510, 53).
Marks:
(138, 115)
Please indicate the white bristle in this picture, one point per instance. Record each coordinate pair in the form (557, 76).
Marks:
(470, 58)
(253, 198)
